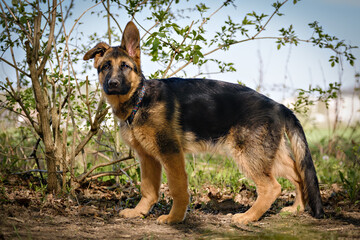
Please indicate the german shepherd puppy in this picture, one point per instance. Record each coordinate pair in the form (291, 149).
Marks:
(164, 118)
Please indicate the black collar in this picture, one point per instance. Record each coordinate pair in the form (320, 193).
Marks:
(136, 107)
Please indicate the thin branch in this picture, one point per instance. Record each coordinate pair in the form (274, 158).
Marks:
(64, 160)
(177, 51)
(78, 19)
(105, 145)
(99, 117)
(136, 7)
(249, 39)
(72, 153)
(18, 23)
(33, 154)
(108, 20)
(14, 95)
(181, 68)
(86, 139)
(109, 13)
(227, 45)
(207, 19)
(50, 39)
(67, 50)
(64, 18)
(12, 110)
(267, 22)
(113, 173)
(11, 49)
(15, 67)
(87, 102)
(34, 170)
(236, 42)
(83, 177)
(148, 31)
(156, 23)
(208, 73)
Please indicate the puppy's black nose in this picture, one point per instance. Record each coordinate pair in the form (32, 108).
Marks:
(113, 83)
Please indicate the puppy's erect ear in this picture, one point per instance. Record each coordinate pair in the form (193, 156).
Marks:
(97, 52)
(131, 42)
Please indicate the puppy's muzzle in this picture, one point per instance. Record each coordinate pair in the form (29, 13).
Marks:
(113, 84)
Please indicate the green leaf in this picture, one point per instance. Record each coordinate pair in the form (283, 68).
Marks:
(156, 43)
(161, 34)
(195, 58)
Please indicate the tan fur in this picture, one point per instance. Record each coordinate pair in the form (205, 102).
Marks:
(298, 149)
(190, 145)
(142, 139)
(144, 136)
(285, 167)
(97, 53)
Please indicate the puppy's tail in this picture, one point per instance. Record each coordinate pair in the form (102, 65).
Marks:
(304, 163)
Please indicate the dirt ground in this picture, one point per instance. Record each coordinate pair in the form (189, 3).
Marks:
(92, 213)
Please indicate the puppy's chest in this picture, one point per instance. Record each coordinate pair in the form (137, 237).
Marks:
(133, 136)
(127, 133)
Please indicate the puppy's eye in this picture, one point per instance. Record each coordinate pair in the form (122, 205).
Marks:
(124, 66)
(106, 66)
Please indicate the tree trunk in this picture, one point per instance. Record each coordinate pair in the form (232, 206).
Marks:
(53, 185)
(41, 95)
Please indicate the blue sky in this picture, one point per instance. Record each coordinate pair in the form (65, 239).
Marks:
(296, 67)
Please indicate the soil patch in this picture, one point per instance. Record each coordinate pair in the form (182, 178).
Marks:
(27, 213)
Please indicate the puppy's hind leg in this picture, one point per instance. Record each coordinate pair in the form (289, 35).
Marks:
(285, 167)
(257, 165)
(268, 189)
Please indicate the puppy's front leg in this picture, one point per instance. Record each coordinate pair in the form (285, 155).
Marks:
(174, 166)
(150, 185)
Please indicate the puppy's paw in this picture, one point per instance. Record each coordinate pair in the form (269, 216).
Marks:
(130, 213)
(293, 209)
(242, 218)
(169, 219)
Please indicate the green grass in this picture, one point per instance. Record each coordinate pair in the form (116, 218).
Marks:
(333, 153)
(214, 170)
(220, 171)
(337, 158)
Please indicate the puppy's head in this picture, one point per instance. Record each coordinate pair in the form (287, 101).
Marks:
(118, 67)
